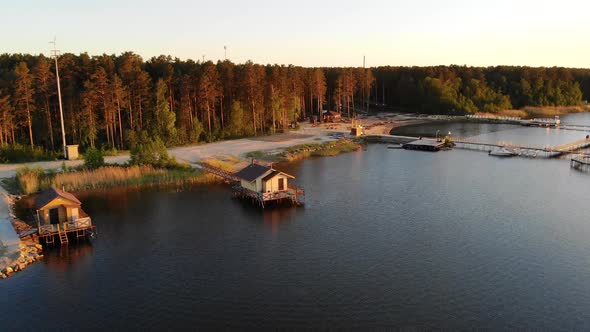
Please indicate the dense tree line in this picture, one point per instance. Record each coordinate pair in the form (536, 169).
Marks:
(111, 101)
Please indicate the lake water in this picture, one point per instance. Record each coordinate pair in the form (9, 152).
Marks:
(387, 238)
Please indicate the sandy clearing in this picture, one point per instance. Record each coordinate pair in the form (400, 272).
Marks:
(379, 124)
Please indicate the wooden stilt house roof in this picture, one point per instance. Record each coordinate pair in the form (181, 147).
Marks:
(49, 195)
(254, 171)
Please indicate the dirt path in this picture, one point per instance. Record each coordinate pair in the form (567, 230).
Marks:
(239, 147)
(194, 153)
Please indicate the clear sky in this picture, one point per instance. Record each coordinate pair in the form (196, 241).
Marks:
(307, 32)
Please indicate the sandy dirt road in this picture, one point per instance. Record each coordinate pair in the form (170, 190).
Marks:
(239, 147)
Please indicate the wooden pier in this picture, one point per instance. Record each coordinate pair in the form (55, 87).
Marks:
(228, 176)
(581, 162)
(523, 150)
(424, 144)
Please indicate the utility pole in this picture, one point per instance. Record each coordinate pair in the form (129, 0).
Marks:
(203, 58)
(365, 92)
(55, 54)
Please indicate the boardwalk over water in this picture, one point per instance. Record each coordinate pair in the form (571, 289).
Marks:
(522, 150)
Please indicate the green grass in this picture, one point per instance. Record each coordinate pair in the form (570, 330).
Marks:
(261, 155)
(325, 149)
(302, 151)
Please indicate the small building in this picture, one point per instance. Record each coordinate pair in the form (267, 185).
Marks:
(60, 213)
(331, 116)
(356, 128)
(424, 144)
(264, 183)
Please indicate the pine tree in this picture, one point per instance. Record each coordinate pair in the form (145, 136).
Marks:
(45, 88)
(164, 119)
(23, 95)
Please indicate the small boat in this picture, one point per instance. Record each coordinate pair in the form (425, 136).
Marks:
(502, 152)
(395, 146)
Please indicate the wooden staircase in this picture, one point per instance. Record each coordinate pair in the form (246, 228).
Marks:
(63, 237)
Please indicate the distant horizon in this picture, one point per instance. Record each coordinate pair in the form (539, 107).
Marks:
(147, 58)
(318, 33)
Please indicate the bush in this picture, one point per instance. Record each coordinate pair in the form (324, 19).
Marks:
(93, 158)
(17, 153)
(29, 179)
(150, 151)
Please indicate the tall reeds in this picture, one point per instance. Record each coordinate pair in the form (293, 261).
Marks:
(34, 180)
(29, 179)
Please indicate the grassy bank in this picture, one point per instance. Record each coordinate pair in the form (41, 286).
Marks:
(542, 112)
(31, 180)
(302, 151)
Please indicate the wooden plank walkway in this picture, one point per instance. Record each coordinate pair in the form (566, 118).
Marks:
(523, 150)
(220, 172)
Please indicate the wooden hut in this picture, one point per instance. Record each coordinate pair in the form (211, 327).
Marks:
(59, 214)
(331, 116)
(265, 184)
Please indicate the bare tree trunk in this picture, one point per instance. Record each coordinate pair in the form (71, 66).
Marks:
(140, 114)
(30, 124)
(208, 116)
(221, 114)
(120, 123)
(130, 114)
(254, 116)
(49, 122)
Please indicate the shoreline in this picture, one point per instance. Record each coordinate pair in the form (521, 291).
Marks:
(19, 252)
(309, 141)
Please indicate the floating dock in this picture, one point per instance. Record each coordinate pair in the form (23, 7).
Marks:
(581, 162)
(424, 144)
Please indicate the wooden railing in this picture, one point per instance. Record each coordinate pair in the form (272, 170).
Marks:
(46, 228)
(85, 222)
(298, 190)
(78, 223)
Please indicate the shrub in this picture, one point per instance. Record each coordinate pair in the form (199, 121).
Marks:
(93, 158)
(150, 151)
(17, 153)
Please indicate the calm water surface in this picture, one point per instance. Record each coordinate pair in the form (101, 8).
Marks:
(387, 238)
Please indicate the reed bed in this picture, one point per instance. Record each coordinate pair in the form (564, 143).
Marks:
(29, 179)
(34, 180)
(320, 150)
(303, 151)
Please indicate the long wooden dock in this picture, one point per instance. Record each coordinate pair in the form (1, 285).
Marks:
(523, 150)
(581, 162)
(228, 176)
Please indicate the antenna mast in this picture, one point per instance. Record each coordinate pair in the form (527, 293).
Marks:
(55, 55)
